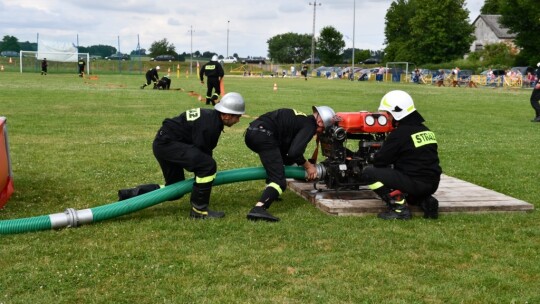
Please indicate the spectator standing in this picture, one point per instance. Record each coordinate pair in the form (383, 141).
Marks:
(214, 73)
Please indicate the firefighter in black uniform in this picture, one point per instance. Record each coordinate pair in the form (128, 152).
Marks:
(214, 73)
(151, 76)
(535, 96)
(407, 165)
(81, 63)
(280, 138)
(304, 71)
(186, 142)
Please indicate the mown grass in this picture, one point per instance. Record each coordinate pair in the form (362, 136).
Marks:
(75, 142)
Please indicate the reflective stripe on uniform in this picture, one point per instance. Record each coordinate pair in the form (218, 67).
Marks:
(423, 138)
(375, 186)
(206, 179)
(275, 186)
(199, 211)
(299, 113)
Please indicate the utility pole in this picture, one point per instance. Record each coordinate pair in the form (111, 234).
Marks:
(313, 35)
(228, 22)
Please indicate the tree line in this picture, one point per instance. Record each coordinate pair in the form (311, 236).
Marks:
(418, 31)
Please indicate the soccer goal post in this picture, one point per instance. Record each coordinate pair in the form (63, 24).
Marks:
(397, 70)
(52, 56)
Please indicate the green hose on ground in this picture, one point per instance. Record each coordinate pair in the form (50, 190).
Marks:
(74, 218)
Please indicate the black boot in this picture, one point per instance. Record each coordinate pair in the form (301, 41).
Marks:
(124, 194)
(259, 213)
(536, 119)
(144, 85)
(430, 206)
(396, 212)
(397, 208)
(200, 199)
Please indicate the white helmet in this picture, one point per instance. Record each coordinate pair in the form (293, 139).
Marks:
(157, 68)
(538, 64)
(327, 115)
(231, 103)
(214, 58)
(398, 103)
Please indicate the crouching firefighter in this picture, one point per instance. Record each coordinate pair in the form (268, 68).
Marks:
(280, 138)
(186, 142)
(406, 168)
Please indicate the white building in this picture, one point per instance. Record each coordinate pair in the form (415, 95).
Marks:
(488, 30)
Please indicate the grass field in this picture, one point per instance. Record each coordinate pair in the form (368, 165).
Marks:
(75, 142)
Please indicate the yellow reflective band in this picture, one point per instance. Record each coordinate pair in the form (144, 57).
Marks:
(193, 114)
(375, 186)
(299, 113)
(410, 109)
(199, 211)
(276, 186)
(161, 186)
(207, 179)
(210, 67)
(423, 138)
(401, 202)
(384, 102)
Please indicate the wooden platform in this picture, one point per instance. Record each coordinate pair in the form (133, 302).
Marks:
(454, 195)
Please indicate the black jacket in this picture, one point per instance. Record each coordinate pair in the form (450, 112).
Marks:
(199, 127)
(412, 149)
(152, 74)
(293, 131)
(211, 69)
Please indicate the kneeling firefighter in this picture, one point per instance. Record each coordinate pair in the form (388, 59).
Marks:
(407, 165)
(186, 142)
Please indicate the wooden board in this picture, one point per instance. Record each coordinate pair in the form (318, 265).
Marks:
(454, 195)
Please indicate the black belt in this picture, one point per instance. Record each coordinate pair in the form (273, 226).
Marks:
(261, 129)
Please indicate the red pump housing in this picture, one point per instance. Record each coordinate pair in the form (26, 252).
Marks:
(365, 122)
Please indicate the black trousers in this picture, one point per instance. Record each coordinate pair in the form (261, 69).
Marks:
(266, 145)
(395, 180)
(149, 78)
(212, 84)
(535, 101)
(174, 156)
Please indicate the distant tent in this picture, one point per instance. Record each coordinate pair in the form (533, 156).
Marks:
(6, 180)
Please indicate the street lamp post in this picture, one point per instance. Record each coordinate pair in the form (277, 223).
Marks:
(228, 22)
(353, 28)
(313, 35)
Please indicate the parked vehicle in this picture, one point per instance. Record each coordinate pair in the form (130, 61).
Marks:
(315, 61)
(9, 54)
(260, 60)
(372, 61)
(164, 58)
(230, 59)
(118, 56)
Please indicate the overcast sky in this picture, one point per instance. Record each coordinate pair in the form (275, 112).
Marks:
(198, 25)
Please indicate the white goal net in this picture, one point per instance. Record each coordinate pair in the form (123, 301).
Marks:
(53, 56)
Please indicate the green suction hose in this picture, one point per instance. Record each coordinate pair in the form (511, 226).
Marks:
(74, 218)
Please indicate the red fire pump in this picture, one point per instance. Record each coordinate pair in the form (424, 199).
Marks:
(349, 146)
